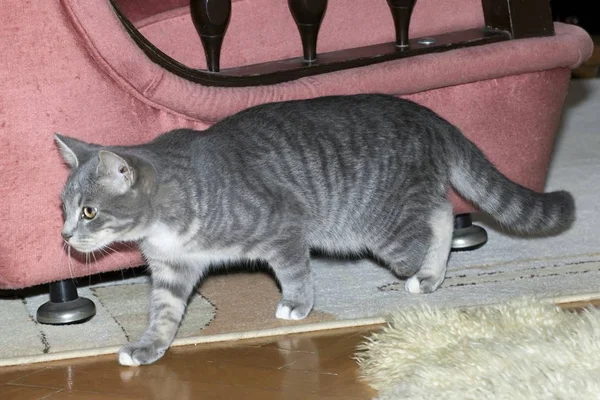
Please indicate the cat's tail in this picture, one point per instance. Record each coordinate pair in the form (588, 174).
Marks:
(514, 206)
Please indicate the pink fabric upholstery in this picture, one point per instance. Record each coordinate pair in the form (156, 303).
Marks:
(137, 10)
(122, 59)
(70, 67)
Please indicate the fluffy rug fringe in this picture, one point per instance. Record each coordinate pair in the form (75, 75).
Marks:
(525, 349)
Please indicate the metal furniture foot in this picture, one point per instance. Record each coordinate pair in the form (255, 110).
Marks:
(65, 306)
(467, 236)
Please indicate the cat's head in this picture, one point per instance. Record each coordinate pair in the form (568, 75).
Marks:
(107, 196)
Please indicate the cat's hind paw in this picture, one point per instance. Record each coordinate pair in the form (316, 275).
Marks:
(423, 285)
(413, 285)
(292, 310)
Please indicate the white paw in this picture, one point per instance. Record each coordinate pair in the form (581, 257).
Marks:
(134, 354)
(284, 311)
(126, 359)
(413, 285)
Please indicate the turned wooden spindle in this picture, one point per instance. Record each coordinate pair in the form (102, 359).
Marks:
(211, 18)
(308, 15)
(401, 11)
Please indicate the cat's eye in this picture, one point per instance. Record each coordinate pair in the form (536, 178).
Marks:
(88, 212)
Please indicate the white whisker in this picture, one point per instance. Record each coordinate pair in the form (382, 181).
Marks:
(104, 251)
(95, 261)
(115, 252)
(88, 266)
(128, 246)
(62, 253)
(69, 261)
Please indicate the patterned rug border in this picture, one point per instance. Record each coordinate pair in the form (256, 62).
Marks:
(302, 328)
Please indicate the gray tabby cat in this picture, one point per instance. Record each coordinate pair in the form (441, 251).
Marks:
(341, 174)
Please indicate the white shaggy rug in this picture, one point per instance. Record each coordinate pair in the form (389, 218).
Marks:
(521, 350)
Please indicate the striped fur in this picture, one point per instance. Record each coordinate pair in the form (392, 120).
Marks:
(339, 174)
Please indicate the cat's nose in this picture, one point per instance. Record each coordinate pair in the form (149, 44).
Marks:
(67, 235)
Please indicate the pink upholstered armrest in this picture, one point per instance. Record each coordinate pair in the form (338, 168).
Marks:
(116, 53)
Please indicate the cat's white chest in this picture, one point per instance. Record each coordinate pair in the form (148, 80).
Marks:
(164, 243)
(162, 239)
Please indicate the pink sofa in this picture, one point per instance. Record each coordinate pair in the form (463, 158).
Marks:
(69, 66)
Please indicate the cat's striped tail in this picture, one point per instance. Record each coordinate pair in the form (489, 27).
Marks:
(514, 206)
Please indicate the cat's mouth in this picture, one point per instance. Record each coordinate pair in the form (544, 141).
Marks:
(86, 246)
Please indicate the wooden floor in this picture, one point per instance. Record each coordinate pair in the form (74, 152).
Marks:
(304, 366)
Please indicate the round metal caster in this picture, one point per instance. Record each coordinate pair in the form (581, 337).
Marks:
(69, 312)
(65, 306)
(467, 236)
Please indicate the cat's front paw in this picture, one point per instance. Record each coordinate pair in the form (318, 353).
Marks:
(293, 310)
(135, 354)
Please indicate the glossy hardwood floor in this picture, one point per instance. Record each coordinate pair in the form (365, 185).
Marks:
(306, 366)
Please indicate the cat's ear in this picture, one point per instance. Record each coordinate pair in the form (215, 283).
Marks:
(119, 172)
(74, 152)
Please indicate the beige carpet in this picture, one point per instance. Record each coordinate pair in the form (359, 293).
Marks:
(352, 292)
(523, 350)
(121, 315)
(230, 307)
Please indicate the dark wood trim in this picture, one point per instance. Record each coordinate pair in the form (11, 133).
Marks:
(520, 18)
(308, 15)
(505, 19)
(211, 20)
(401, 12)
(295, 68)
